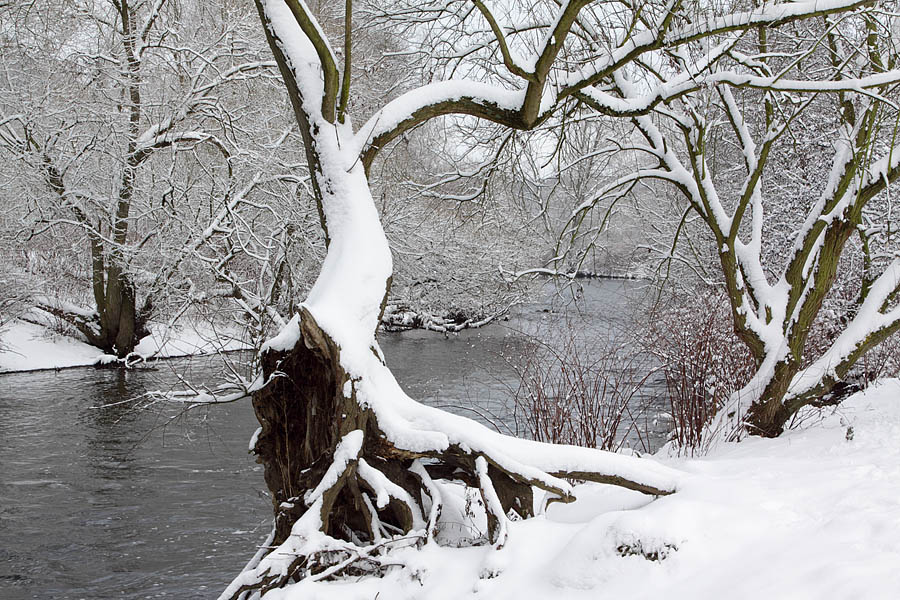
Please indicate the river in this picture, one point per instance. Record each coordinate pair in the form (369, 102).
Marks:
(98, 500)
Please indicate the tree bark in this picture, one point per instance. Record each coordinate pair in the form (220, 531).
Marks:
(117, 325)
(118, 318)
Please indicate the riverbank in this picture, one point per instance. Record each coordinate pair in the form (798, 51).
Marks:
(27, 346)
(813, 514)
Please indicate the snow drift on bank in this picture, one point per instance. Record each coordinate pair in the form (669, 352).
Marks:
(813, 514)
(27, 346)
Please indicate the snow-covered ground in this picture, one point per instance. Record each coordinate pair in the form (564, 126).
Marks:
(814, 514)
(26, 346)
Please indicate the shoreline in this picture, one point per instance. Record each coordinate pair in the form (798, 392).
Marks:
(30, 347)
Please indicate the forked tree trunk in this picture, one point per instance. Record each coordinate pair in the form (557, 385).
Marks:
(117, 325)
(768, 415)
(821, 383)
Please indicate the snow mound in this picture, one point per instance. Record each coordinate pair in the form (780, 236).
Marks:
(813, 514)
(26, 346)
(29, 347)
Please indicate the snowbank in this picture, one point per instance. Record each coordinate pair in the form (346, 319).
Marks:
(189, 340)
(28, 347)
(814, 514)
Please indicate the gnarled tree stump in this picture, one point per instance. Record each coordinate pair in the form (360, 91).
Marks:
(353, 464)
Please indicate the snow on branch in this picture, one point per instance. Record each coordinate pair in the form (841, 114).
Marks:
(869, 325)
(307, 53)
(161, 133)
(686, 83)
(149, 21)
(882, 172)
(346, 452)
(455, 96)
(664, 35)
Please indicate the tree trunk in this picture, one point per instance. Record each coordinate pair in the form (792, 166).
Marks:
(347, 454)
(120, 327)
(353, 464)
(117, 326)
(767, 416)
(304, 415)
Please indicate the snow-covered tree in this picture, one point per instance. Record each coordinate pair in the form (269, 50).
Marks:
(111, 113)
(353, 464)
(830, 89)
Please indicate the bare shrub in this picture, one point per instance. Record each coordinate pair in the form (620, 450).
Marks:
(585, 392)
(15, 299)
(702, 359)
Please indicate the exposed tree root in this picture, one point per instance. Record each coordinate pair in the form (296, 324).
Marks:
(348, 483)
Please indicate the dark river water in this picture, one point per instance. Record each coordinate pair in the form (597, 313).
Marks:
(104, 501)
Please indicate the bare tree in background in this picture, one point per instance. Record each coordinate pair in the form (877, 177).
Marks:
(828, 87)
(115, 112)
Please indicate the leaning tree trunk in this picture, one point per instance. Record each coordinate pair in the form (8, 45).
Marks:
(353, 464)
(356, 467)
